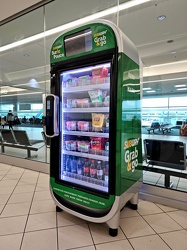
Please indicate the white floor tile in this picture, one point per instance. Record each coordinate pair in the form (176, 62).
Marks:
(135, 227)
(40, 240)
(42, 195)
(4, 198)
(176, 240)
(42, 206)
(162, 223)
(66, 219)
(20, 198)
(16, 209)
(146, 207)
(166, 208)
(100, 233)
(152, 242)
(128, 212)
(41, 221)
(12, 225)
(74, 236)
(117, 245)
(24, 188)
(6, 190)
(180, 217)
(12, 242)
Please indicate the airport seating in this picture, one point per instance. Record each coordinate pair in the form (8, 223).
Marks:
(19, 139)
(153, 127)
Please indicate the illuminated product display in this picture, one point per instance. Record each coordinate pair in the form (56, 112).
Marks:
(93, 118)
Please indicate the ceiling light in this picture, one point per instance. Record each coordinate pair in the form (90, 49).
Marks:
(150, 91)
(180, 85)
(146, 88)
(182, 89)
(161, 18)
(80, 21)
(165, 80)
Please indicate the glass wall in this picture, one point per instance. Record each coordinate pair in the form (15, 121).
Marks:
(25, 70)
(161, 42)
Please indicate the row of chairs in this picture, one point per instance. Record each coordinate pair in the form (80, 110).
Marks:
(19, 139)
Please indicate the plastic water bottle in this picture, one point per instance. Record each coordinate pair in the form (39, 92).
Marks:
(68, 163)
(80, 165)
(74, 165)
(92, 169)
(99, 171)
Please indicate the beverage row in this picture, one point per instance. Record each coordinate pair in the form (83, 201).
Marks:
(87, 167)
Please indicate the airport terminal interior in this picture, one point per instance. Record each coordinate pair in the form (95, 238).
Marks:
(28, 216)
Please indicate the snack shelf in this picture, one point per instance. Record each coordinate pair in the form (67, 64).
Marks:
(84, 88)
(86, 110)
(83, 133)
(86, 155)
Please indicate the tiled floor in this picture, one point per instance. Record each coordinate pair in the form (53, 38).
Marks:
(28, 221)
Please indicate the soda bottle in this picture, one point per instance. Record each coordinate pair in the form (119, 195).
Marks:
(86, 168)
(92, 169)
(80, 164)
(68, 163)
(74, 165)
(99, 171)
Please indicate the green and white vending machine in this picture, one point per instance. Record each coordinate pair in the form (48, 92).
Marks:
(93, 117)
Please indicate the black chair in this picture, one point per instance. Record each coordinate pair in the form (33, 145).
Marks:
(8, 136)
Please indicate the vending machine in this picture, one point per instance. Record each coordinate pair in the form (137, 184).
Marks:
(93, 117)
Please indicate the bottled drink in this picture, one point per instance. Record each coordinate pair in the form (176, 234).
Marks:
(92, 169)
(106, 173)
(106, 147)
(80, 165)
(99, 171)
(68, 163)
(86, 167)
(74, 165)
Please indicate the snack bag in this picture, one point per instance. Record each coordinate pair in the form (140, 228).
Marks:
(71, 82)
(97, 143)
(84, 80)
(97, 122)
(96, 95)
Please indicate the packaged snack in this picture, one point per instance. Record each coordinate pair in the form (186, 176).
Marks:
(71, 103)
(97, 143)
(83, 125)
(98, 75)
(83, 103)
(84, 80)
(96, 95)
(83, 146)
(71, 145)
(107, 101)
(71, 82)
(99, 72)
(97, 122)
(71, 125)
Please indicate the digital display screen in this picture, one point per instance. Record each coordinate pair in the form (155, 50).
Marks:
(48, 105)
(78, 42)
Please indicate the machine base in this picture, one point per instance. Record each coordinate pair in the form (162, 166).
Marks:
(113, 232)
(58, 209)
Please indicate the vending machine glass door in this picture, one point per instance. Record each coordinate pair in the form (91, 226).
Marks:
(85, 112)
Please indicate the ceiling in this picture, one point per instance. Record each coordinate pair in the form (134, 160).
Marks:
(162, 46)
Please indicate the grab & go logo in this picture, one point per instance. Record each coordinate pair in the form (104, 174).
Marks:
(100, 38)
(131, 154)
